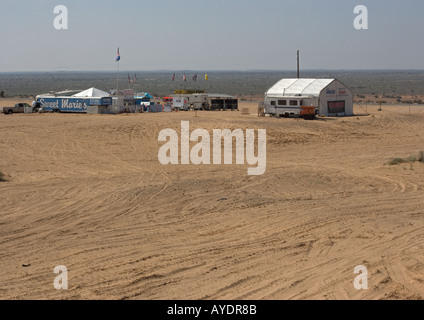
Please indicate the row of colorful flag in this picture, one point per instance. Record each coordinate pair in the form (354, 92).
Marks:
(195, 77)
(132, 80)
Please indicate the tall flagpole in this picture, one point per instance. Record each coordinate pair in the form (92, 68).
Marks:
(118, 59)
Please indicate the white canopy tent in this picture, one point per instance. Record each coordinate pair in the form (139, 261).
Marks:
(92, 93)
(303, 87)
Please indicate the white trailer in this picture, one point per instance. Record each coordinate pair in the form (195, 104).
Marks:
(291, 106)
(181, 102)
(198, 101)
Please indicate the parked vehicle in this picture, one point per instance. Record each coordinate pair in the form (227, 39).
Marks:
(18, 108)
(291, 107)
(198, 101)
(181, 103)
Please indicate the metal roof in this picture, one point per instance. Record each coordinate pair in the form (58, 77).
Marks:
(219, 96)
(295, 87)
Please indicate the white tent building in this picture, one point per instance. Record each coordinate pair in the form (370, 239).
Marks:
(96, 97)
(331, 96)
(92, 93)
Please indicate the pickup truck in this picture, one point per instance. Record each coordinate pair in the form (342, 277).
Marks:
(18, 108)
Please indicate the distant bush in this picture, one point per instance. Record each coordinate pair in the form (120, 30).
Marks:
(411, 159)
(396, 161)
(2, 177)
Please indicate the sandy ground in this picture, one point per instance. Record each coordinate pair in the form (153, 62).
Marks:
(88, 192)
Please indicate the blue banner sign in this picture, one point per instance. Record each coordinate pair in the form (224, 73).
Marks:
(69, 104)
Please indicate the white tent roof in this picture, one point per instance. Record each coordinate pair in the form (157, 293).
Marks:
(294, 87)
(92, 93)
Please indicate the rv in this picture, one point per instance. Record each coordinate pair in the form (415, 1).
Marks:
(293, 107)
(198, 101)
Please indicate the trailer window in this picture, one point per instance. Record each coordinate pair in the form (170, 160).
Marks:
(273, 103)
(293, 102)
(282, 102)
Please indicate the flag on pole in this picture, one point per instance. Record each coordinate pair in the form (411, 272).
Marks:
(206, 77)
(118, 56)
(185, 78)
(173, 77)
(132, 80)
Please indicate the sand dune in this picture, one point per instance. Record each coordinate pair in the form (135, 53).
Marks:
(88, 192)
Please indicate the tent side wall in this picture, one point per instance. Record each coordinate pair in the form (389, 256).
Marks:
(336, 100)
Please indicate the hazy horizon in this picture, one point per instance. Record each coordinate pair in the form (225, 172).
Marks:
(387, 83)
(123, 73)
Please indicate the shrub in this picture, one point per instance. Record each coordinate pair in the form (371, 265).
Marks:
(2, 177)
(421, 157)
(396, 161)
(410, 160)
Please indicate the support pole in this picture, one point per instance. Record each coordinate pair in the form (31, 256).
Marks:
(298, 64)
(117, 80)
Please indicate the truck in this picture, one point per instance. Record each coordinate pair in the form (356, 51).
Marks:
(18, 108)
(291, 107)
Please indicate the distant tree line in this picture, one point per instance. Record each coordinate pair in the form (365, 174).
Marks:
(1, 94)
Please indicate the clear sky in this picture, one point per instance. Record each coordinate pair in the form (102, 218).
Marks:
(210, 35)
